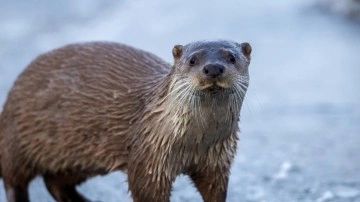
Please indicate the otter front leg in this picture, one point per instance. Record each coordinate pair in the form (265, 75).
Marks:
(149, 183)
(212, 184)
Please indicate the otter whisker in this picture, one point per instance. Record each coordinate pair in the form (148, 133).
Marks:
(178, 88)
(181, 99)
(179, 95)
(201, 121)
(238, 97)
(228, 111)
(243, 86)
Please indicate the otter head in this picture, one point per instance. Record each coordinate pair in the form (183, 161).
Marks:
(213, 67)
(209, 80)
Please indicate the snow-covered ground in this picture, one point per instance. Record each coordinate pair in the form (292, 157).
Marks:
(300, 139)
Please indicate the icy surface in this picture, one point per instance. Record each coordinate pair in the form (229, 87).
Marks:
(300, 125)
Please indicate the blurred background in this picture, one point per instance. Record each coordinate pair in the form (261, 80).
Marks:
(300, 124)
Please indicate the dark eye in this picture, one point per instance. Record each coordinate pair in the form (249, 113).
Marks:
(232, 58)
(192, 61)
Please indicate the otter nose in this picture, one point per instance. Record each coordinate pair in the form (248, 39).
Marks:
(213, 70)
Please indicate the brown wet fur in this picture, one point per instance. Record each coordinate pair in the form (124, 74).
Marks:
(92, 108)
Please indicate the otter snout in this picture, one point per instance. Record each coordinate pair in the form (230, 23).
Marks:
(213, 70)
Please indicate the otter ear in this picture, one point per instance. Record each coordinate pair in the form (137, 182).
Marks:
(246, 49)
(177, 51)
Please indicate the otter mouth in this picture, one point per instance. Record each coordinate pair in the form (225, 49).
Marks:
(215, 89)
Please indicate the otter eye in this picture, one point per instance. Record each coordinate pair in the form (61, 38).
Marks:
(232, 58)
(192, 61)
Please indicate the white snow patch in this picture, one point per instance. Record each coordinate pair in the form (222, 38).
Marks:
(328, 195)
(283, 173)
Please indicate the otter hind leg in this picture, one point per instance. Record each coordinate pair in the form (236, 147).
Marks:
(62, 189)
(17, 193)
(16, 187)
(16, 182)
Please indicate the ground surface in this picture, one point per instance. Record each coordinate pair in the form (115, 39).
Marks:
(300, 138)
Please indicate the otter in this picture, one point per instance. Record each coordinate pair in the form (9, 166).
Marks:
(91, 108)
